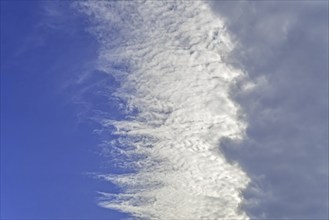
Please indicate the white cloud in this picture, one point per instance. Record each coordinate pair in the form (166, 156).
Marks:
(168, 58)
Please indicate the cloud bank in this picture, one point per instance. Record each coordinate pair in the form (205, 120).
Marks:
(168, 58)
(283, 46)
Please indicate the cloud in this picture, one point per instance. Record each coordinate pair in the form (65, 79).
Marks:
(283, 47)
(168, 58)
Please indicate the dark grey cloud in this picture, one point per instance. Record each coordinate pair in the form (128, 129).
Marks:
(286, 149)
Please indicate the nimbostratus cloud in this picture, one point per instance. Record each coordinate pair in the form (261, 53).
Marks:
(168, 59)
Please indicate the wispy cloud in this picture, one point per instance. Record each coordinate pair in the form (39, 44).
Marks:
(168, 58)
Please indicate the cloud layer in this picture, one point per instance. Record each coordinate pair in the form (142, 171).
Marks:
(283, 46)
(168, 58)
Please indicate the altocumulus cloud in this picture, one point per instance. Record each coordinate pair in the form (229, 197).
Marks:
(174, 88)
(224, 107)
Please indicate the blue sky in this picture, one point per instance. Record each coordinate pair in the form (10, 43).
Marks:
(191, 109)
(46, 150)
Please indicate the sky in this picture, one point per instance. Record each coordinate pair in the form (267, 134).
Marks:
(168, 110)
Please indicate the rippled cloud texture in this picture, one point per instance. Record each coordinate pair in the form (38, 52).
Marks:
(168, 59)
(199, 82)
